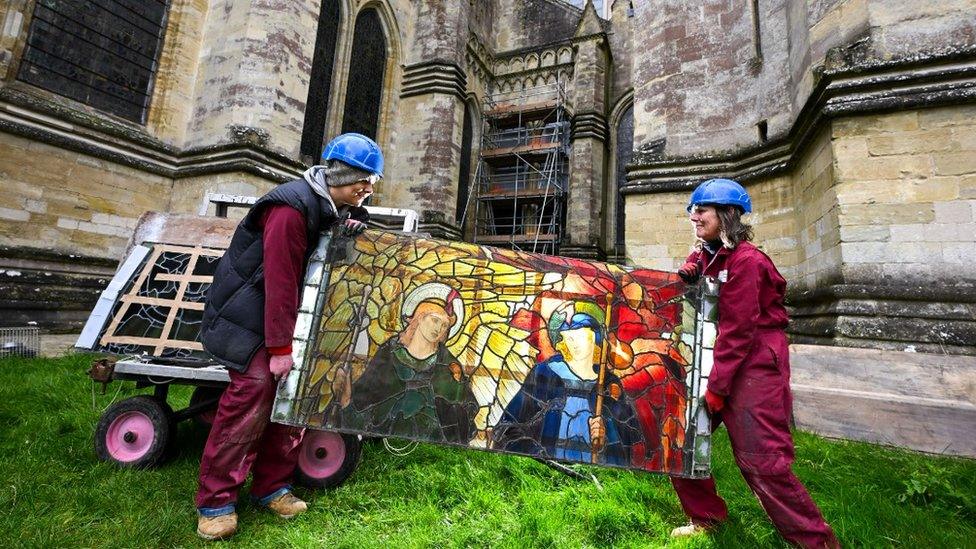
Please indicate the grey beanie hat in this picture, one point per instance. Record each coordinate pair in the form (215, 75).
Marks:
(340, 174)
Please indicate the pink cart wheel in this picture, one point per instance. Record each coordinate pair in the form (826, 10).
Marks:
(327, 459)
(134, 432)
(129, 436)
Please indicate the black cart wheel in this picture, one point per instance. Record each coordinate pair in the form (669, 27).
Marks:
(327, 459)
(208, 396)
(135, 432)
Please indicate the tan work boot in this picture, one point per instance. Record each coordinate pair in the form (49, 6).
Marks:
(691, 529)
(287, 505)
(219, 527)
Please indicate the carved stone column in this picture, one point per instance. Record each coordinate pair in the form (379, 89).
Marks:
(587, 164)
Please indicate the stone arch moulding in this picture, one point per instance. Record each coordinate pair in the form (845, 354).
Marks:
(478, 80)
(392, 74)
(565, 55)
(516, 64)
(472, 102)
(617, 113)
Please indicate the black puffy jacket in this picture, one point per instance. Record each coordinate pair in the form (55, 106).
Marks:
(233, 317)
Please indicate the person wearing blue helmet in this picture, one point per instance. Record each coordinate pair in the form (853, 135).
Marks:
(351, 165)
(749, 384)
(248, 321)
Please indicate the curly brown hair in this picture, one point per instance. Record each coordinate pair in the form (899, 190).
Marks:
(733, 230)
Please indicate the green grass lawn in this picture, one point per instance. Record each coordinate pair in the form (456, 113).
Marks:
(54, 492)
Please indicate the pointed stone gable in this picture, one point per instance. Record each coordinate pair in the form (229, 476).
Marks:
(589, 23)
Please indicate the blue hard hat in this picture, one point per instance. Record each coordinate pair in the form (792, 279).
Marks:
(721, 191)
(357, 150)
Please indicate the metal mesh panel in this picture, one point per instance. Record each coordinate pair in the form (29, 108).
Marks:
(25, 342)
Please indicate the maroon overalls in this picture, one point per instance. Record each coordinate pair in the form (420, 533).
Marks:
(751, 369)
(242, 438)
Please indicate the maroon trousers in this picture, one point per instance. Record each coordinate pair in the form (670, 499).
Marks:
(243, 440)
(756, 416)
(785, 500)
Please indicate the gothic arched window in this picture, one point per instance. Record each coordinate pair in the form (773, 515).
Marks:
(464, 174)
(320, 80)
(367, 68)
(625, 151)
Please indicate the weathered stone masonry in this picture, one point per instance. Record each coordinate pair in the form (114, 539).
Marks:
(850, 122)
(842, 183)
(232, 79)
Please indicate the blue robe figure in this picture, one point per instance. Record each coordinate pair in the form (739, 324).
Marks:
(550, 415)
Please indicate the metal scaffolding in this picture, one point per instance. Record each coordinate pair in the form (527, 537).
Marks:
(522, 175)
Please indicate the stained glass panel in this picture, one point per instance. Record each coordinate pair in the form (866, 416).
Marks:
(501, 350)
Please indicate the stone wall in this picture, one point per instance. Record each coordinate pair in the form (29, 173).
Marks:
(872, 228)
(621, 40)
(426, 173)
(523, 24)
(423, 173)
(227, 111)
(816, 240)
(69, 202)
(906, 196)
(660, 236)
(253, 72)
(705, 80)
(588, 160)
(190, 194)
(174, 91)
(65, 218)
(847, 120)
(658, 233)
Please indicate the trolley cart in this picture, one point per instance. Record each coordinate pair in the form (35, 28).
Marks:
(167, 266)
(140, 431)
(148, 315)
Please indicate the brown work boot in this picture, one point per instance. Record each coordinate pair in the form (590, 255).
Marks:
(219, 527)
(287, 505)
